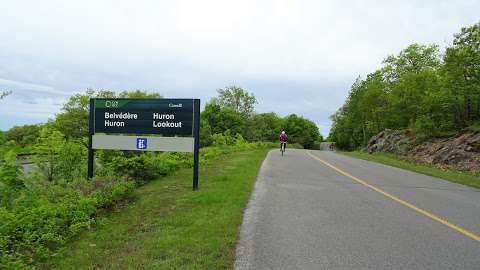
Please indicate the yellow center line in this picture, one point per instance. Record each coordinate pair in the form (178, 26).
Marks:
(405, 203)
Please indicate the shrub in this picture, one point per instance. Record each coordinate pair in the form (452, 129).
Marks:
(43, 215)
(218, 139)
(10, 171)
(424, 127)
(149, 165)
(139, 167)
(39, 222)
(47, 149)
(70, 162)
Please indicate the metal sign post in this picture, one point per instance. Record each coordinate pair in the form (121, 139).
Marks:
(91, 153)
(196, 144)
(140, 118)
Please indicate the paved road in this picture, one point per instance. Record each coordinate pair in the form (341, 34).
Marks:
(305, 214)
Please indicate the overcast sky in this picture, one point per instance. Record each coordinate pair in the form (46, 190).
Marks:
(296, 56)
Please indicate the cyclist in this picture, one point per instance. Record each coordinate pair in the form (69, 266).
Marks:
(283, 140)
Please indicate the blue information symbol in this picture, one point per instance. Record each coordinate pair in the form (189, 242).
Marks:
(142, 143)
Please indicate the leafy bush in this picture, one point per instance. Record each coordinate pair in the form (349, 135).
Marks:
(218, 139)
(48, 148)
(424, 127)
(10, 171)
(43, 215)
(71, 162)
(10, 179)
(39, 221)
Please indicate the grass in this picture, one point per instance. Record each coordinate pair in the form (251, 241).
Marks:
(169, 226)
(464, 178)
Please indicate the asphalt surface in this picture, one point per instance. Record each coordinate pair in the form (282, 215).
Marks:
(304, 214)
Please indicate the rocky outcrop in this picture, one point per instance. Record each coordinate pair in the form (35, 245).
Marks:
(390, 141)
(461, 152)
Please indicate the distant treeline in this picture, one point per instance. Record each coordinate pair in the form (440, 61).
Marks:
(430, 92)
(226, 117)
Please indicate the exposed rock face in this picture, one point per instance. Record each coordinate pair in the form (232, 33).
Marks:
(389, 141)
(460, 152)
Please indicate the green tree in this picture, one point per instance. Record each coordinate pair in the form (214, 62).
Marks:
(139, 94)
(461, 73)
(237, 99)
(10, 171)
(263, 127)
(410, 76)
(72, 121)
(398, 96)
(25, 135)
(205, 132)
(11, 180)
(48, 149)
(301, 130)
(220, 119)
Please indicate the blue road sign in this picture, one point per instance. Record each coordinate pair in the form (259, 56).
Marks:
(142, 143)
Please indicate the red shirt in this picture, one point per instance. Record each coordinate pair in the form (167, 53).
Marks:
(283, 137)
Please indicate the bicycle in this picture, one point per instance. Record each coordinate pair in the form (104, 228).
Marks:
(282, 147)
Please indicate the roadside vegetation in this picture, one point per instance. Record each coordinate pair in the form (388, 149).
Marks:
(169, 226)
(461, 177)
(430, 92)
(423, 107)
(43, 210)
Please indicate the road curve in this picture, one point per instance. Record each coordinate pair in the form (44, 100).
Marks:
(308, 211)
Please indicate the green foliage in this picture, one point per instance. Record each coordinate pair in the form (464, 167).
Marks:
(11, 179)
(223, 124)
(264, 127)
(140, 168)
(301, 130)
(23, 135)
(237, 99)
(71, 162)
(72, 121)
(57, 159)
(181, 229)
(10, 171)
(424, 127)
(41, 219)
(475, 127)
(139, 94)
(220, 119)
(48, 149)
(218, 139)
(416, 89)
(205, 132)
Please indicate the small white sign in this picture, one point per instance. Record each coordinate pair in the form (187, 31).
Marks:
(143, 143)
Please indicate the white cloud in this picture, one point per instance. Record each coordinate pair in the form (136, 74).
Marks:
(24, 86)
(36, 109)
